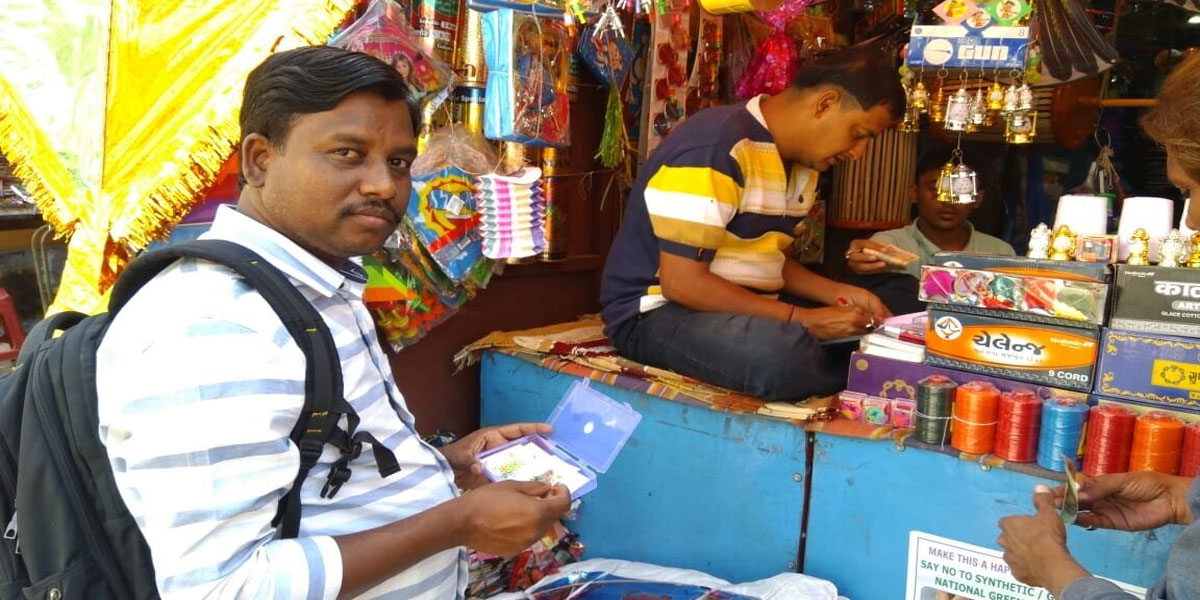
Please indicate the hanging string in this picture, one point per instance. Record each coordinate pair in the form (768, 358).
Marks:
(1157, 443)
(1109, 440)
(1020, 420)
(935, 397)
(976, 406)
(1062, 429)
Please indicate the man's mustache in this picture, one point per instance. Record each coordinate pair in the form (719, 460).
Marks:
(372, 209)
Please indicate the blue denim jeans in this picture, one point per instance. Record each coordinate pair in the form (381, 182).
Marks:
(760, 357)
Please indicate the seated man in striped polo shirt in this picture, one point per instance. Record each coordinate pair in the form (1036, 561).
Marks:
(200, 384)
(694, 276)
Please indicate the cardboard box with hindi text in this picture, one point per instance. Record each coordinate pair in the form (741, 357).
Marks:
(1156, 370)
(1051, 355)
(1152, 299)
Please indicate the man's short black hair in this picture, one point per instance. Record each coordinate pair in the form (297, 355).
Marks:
(934, 159)
(864, 72)
(309, 80)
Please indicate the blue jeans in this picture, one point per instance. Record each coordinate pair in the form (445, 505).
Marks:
(760, 357)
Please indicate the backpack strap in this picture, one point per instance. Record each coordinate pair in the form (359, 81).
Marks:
(44, 331)
(324, 403)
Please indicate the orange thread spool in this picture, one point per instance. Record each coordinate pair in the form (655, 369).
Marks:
(1190, 465)
(976, 405)
(1109, 440)
(1157, 443)
(1020, 417)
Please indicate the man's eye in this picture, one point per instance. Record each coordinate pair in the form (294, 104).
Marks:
(401, 163)
(347, 152)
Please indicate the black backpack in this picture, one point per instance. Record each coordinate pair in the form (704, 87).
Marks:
(68, 533)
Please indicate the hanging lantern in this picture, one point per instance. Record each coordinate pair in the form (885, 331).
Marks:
(1011, 99)
(958, 111)
(979, 111)
(995, 97)
(944, 192)
(1021, 126)
(920, 97)
(937, 108)
(912, 120)
(1024, 97)
(962, 185)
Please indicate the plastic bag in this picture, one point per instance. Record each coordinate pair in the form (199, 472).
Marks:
(443, 210)
(776, 58)
(384, 32)
(604, 579)
(528, 67)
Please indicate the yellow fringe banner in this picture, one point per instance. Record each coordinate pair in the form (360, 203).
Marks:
(118, 125)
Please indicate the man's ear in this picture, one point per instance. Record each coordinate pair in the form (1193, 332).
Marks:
(826, 101)
(257, 154)
(912, 193)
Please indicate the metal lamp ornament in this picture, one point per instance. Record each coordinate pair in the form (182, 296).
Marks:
(1020, 127)
(995, 97)
(1139, 248)
(937, 107)
(957, 182)
(1172, 249)
(958, 111)
(1024, 97)
(978, 112)
(920, 97)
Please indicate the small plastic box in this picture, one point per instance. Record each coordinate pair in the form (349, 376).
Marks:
(902, 412)
(876, 410)
(589, 431)
(850, 405)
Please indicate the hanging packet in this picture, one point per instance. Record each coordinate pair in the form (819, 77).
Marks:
(384, 32)
(528, 68)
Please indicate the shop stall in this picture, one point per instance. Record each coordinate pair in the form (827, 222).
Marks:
(1079, 356)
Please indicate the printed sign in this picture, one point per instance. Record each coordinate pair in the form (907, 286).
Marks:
(943, 569)
(960, 46)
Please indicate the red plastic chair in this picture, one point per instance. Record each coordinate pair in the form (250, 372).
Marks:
(13, 334)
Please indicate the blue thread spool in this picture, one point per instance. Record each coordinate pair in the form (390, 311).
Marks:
(1062, 428)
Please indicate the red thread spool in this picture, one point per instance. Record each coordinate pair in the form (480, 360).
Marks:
(976, 405)
(1109, 440)
(1157, 443)
(1019, 421)
(1190, 465)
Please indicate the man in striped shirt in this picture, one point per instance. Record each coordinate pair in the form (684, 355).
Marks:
(694, 276)
(200, 384)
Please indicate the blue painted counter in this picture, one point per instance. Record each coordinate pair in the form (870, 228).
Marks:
(724, 494)
(693, 488)
(867, 496)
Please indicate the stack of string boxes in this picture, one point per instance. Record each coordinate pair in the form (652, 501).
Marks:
(1031, 320)
(1148, 374)
(1010, 346)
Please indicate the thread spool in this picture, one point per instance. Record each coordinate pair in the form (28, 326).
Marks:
(976, 406)
(935, 397)
(469, 62)
(1109, 440)
(1157, 443)
(1062, 429)
(1189, 465)
(1189, 462)
(1020, 421)
(1085, 215)
(555, 163)
(468, 108)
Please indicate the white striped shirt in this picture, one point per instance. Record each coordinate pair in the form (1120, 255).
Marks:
(199, 387)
